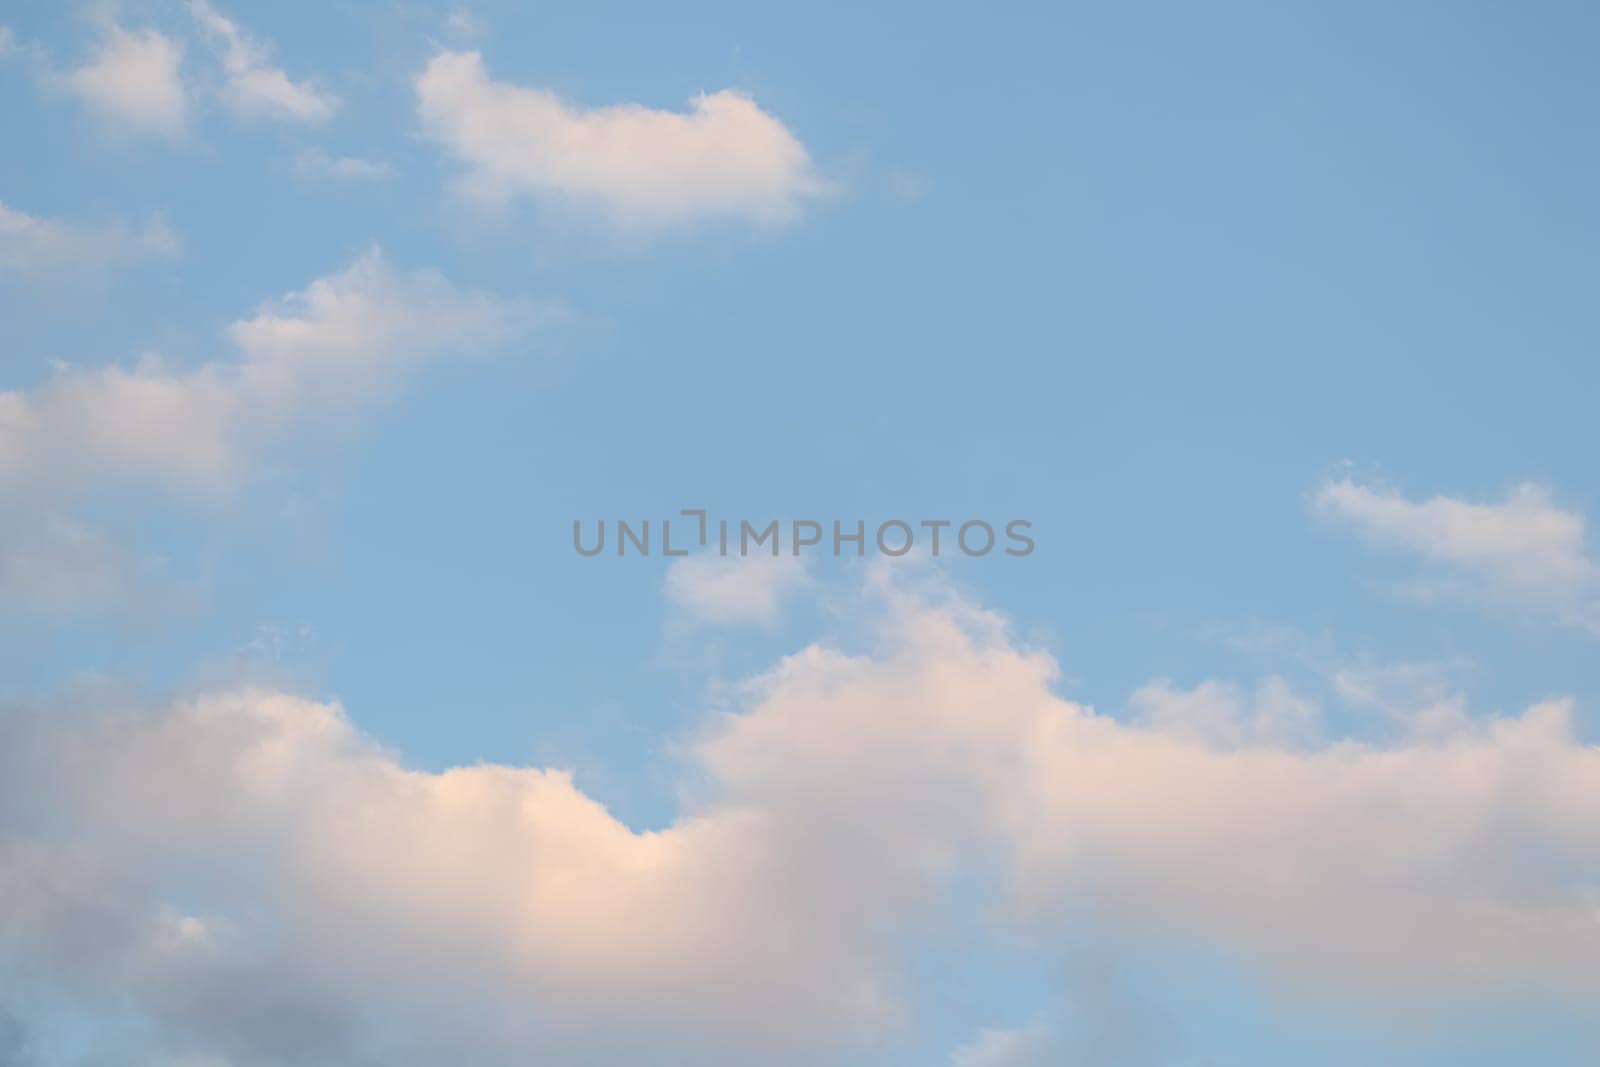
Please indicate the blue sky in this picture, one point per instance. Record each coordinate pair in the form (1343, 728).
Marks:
(324, 322)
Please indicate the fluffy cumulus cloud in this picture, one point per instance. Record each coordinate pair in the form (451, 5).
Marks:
(253, 878)
(40, 248)
(723, 158)
(252, 86)
(134, 82)
(1523, 551)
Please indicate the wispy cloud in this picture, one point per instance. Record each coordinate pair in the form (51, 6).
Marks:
(315, 165)
(733, 589)
(319, 354)
(35, 247)
(55, 566)
(136, 81)
(464, 25)
(253, 87)
(1524, 552)
(1218, 714)
(1033, 1045)
(304, 367)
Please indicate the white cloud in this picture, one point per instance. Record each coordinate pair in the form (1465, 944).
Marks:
(1217, 714)
(464, 25)
(252, 86)
(134, 82)
(1523, 551)
(35, 247)
(539, 911)
(1381, 869)
(306, 367)
(724, 158)
(316, 165)
(731, 589)
(254, 844)
(1033, 1045)
(312, 359)
(907, 186)
(1421, 698)
(56, 566)
(1095, 1019)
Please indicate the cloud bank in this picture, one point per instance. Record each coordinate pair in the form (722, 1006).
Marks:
(244, 869)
